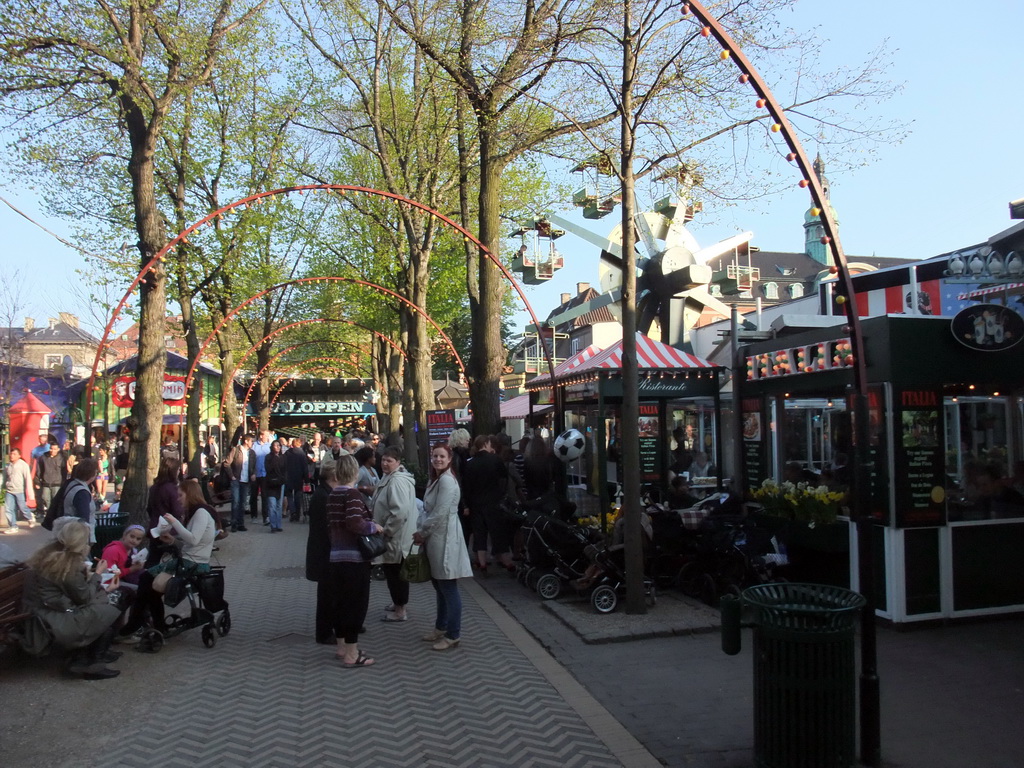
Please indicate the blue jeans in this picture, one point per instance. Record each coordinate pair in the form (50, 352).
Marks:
(449, 607)
(239, 501)
(273, 501)
(12, 504)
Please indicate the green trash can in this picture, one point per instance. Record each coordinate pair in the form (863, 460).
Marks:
(804, 675)
(109, 527)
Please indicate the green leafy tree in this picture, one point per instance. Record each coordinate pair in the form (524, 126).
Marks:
(117, 70)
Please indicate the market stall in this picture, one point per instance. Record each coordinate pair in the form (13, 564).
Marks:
(679, 418)
(946, 478)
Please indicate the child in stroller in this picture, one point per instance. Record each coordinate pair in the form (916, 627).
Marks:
(553, 553)
(606, 573)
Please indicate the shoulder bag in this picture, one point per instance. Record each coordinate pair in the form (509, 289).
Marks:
(372, 545)
(415, 569)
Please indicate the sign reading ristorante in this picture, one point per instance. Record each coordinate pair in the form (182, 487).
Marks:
(323, 408)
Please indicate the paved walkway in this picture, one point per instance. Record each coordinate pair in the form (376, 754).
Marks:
(533, 684)
(266, 695)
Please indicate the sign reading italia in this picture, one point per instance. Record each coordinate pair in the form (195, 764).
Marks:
(122, 391)
(323, 408)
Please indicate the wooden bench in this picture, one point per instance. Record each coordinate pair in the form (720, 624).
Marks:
(12, 584)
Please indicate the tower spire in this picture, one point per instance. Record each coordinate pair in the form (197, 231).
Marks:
(813, 229)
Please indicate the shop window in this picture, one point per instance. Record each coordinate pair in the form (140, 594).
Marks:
(815, 442)
(984, 479)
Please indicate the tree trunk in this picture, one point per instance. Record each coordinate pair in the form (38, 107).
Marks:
(487, 353)
(409, 416)
(193, 447)
(148, 409)
(229, 416)
(630, 383)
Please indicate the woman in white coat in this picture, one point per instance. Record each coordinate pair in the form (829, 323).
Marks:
(394, 509)
(441, 532)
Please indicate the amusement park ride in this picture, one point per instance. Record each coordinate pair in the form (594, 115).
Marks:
(674, 279)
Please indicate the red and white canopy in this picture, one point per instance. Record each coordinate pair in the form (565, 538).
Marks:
(569, 364)
(650, 355)
(519, 407)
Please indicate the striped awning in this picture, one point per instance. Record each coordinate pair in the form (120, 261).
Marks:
(519, 408)
(568, 364)
(1015, 288)
(650, 355)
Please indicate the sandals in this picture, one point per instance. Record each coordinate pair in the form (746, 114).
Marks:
(362, 660)
(392, 617)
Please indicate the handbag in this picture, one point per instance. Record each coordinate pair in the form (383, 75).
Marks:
(174, 592)
(372, 545)
(415, 568)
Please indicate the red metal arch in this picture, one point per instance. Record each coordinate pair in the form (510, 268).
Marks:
(338, 189)
(229, 316)
(259, 374)
(296, 324)
(870, 718)
(297, 367)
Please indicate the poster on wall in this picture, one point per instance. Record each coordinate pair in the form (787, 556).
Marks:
(650, 446)
(440, 425)
(753, 442)
(920, 459)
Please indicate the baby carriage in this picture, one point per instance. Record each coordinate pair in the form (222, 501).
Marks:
(731, 553)
(207, 609)
(553, 554)
(609, 563)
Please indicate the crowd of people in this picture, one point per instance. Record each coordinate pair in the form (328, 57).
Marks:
(346, 489)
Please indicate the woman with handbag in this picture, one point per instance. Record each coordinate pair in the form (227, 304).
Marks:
(394, 509)
(70, 604)
(348, 519)
(446, 547)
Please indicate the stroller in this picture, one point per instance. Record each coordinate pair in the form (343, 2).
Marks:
(553, 553)
(610, 565)
(207, 608)
(731, 553)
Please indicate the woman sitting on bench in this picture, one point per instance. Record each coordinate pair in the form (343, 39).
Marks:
(71, 604)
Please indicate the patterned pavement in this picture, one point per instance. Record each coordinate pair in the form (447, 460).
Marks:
(266, 695)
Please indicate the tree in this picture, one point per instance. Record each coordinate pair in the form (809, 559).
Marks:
(672, 96)
(497, 72)
(392, 108)
(77, 65)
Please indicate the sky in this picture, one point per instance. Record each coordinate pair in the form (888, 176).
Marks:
(944, 187)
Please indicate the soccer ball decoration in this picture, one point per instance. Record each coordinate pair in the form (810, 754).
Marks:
(570, 444)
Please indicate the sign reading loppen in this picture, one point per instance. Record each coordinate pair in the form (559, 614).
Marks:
(122, 391)
(987, 327)
(324, 408)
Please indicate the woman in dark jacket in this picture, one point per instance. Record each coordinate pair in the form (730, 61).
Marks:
(318, 553)
(274, 483)
(164, 497)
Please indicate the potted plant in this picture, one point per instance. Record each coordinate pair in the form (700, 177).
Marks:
(806, 520)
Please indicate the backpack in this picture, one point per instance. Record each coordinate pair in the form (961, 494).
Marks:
(56, 508)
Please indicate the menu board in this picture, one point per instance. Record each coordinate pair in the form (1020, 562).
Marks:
(878, 463)
(650, 445)
(753, 442)
(920, 479)
(440, 425)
